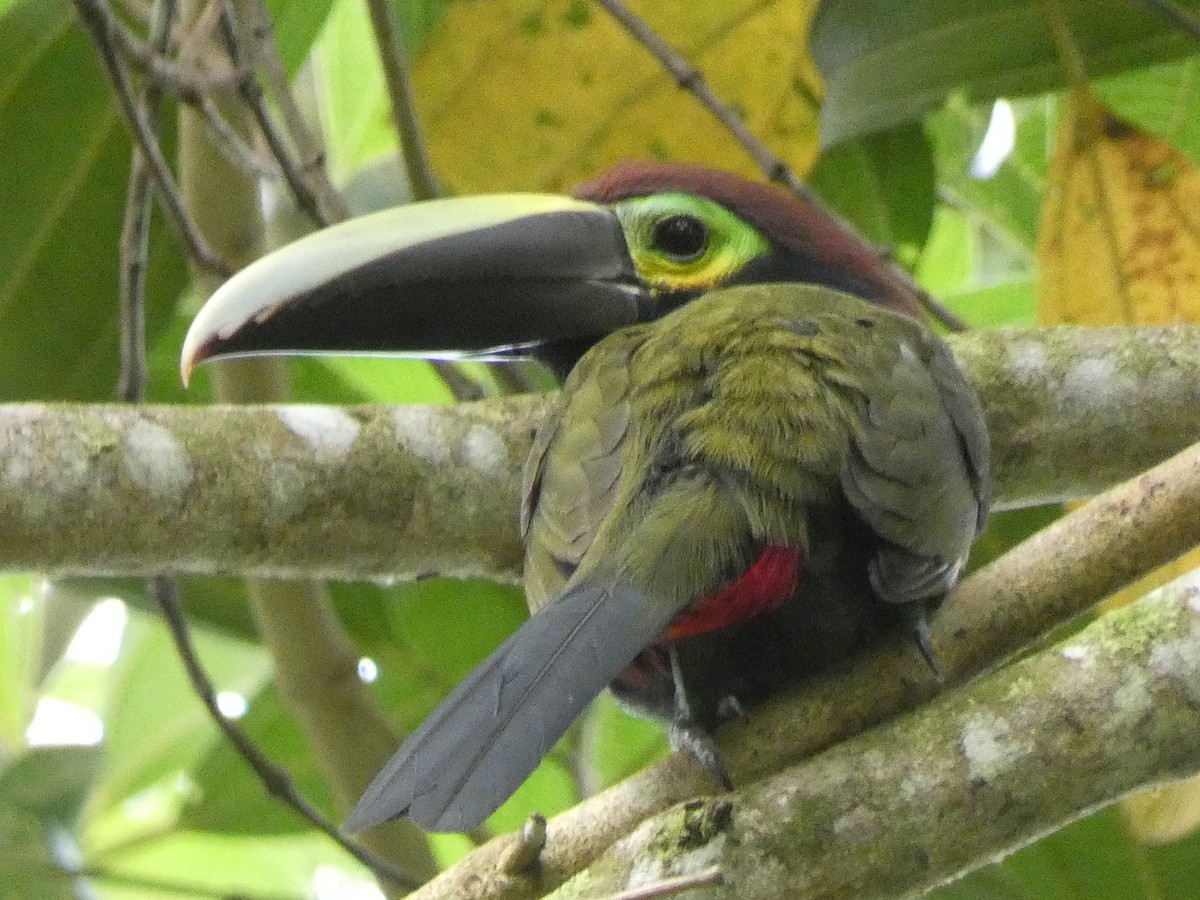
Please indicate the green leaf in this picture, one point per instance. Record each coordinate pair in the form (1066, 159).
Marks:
(218, 865)
(49, 782)
(883, 183)
(64, 194)
(1090, 860)
(1161, 100)
(453, 624)
(155, 725)
(881, 67)
(617, 744)
(229, 797)
(352, 95)
(297, 24)
(1012, 304)
(29, 865)
(21, 619)
(1009, 203)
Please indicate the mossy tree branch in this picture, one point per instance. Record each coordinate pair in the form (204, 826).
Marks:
(379, 493)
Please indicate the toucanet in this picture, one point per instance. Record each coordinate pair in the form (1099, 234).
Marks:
(760, 458)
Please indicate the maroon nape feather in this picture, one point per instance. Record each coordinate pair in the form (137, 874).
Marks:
(782, 217)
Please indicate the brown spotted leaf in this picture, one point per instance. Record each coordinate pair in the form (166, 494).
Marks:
(516, 94)
(1119, 241)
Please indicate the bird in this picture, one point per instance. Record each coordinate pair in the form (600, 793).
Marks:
(760, 458)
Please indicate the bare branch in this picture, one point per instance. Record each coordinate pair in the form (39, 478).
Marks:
(188, 86)
(135, 230)
(310, 163)
(252, 93)
(274, 779)
(421, 179)
(135, 120)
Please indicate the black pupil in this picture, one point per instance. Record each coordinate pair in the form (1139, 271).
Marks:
(681, 236)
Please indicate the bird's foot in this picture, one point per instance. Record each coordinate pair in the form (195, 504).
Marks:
(920, 632)
(685, 733)
(730, 708)
(689, 737)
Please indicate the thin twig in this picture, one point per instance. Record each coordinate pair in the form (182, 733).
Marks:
(181, 220)
(188, 87)
(671, 886)
(1069, 54)
(308, 146)
(233, 147)
(252, 93)
(277, 782)
(691, 79)
(1179, 18)
(421, 178)
(135, 232)
(176, 80)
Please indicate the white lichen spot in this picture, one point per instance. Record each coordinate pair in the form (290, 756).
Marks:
(857, 827)
(918, 783)
(17, 443)
(1074, 652)
(484, 451)
(1133, 694)
(1194, 603)
(1028, 361)
(155, 461)
(1178, 661)
(1094, 384)
(989, 746)
(20, 416)
(286, 496)
(329, 433)
(420, 431)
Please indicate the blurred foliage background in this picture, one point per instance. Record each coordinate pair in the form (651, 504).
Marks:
(114, 783)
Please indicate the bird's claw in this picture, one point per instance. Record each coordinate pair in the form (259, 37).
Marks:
(689, 737)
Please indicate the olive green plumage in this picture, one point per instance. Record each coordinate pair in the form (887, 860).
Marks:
(777, 398)
(790, 415)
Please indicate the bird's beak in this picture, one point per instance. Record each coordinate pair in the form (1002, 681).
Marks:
(477, 277)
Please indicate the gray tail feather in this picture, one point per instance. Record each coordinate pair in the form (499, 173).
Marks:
(477, 747)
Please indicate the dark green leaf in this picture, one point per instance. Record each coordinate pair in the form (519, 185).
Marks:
(297, 24)
(883, 64)
(49, 782)
(884, 183)
(1090, 860)
(63, 184)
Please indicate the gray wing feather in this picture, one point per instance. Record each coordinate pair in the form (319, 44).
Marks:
(918, 472)
(477, 747)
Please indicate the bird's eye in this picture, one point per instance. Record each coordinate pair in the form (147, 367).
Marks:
(682, 237)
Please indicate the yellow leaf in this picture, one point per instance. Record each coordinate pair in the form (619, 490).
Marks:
(1119, 240)
(523, 95)
(1119, 243)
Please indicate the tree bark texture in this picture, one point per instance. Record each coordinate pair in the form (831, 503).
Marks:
(397, 493)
